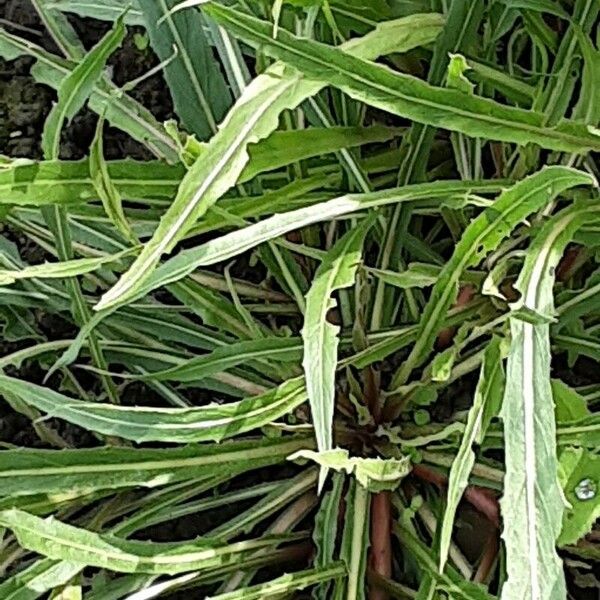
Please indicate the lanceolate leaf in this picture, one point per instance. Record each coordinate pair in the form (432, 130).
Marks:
(225, 357)
(198, 88)
(336, 271)
(28, 472)
(235, 243)
(404, 95)
(481, 236)
(77, 87)
(254, 116)
(108, 193)
(143, 424)
(60, 270)
(488, 397)
(30, 183)
(532, 505)
(285, 147)
(57, 540)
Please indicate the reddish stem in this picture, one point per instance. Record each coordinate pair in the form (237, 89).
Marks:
(381, 541)
(490, 553)
(481, 498)
(568, 263)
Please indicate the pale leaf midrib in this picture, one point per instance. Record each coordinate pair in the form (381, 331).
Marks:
(494, 122)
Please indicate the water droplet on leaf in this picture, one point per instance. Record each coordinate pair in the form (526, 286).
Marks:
(585, 489)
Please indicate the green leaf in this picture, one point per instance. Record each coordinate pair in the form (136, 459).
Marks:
(253, 117)
(570, 406)
(573, 304)
(286, 147)
(325, 531)
(108, 193)
(76, 88)
(60, 270)
(585, 345)
(70, 473)
(582, 432)
(336, 271)
(107, 10)
(587, 106)
(416, 275)
(532, 505)
(404, 95)
(545, 6)
(355, 539)
(225, 357)
(487, 401)
(29, 183)
(200, 94)
(144, 424)
(374, 474)
(58, 540)
(481, 236)
(286, 583)
(579, 471)
(233, 244)
(40, 577)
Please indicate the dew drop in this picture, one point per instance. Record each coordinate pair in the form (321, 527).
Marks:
(585, 489)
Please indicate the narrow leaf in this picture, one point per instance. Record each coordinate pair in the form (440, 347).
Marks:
(37, 579)
(337, 270)
(108, 193)
(77, 87)
(355, 539)
(481, 236)
(532, 505)
(106, 10)
(225, 357)
(404, 95)
(143, 424)
(60, 270)
(200, 94)
(487, 401)
(26, 472)
(325, 531)
(58, 540)
(254, 116)
(285, 584)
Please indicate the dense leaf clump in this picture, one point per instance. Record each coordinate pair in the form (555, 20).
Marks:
(330, 332)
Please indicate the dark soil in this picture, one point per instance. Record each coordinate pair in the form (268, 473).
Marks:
(24, 104)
